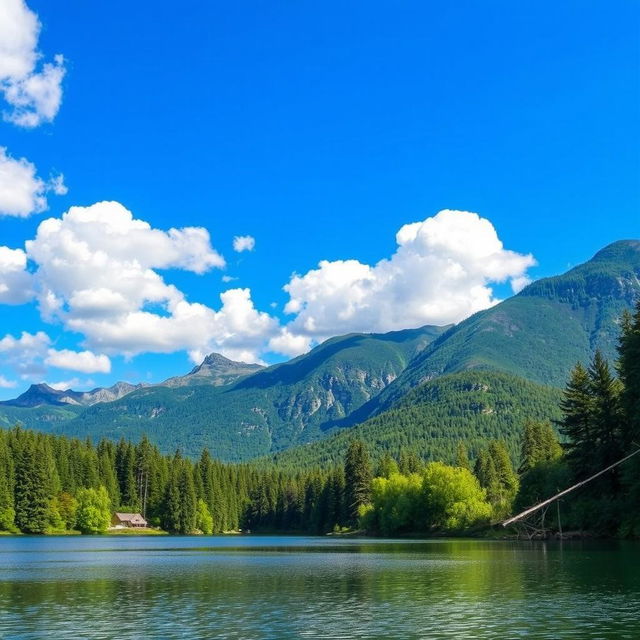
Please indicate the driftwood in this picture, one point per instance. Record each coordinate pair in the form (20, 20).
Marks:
(546, 503)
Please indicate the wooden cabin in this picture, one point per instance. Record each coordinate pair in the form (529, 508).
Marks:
(127, 521)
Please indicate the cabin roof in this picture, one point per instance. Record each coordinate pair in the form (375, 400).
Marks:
(129, 517)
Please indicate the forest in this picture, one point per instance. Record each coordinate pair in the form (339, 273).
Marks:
(55, 484)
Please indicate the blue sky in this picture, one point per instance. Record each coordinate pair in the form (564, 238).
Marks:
(320, 131)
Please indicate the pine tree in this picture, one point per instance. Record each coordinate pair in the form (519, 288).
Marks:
(577, 422)
(358, 476)
(462, 456)
(31, 491)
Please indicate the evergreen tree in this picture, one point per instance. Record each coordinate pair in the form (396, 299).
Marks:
(577, 422)
(31, 491)
(357, 473)
(462, 456)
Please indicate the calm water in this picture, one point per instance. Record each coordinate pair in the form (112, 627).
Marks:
(288, 587)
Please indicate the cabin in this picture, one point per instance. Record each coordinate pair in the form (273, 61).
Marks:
(127, 521)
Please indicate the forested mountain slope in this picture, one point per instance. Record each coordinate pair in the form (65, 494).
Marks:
(538, 334)
(268, 411)
(472, 406)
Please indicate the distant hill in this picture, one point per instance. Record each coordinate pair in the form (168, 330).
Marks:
(38, 395)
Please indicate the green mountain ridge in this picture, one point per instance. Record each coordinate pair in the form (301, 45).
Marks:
(270, 410)
(471, 406)
(241, 411)
(538, 334)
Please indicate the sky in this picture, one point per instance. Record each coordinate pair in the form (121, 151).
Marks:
(252, 178)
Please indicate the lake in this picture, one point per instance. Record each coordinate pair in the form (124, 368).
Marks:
(299, 587)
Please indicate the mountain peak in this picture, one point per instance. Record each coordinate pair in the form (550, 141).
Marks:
(620, 251)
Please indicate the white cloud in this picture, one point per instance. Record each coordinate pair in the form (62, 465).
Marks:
(31, 353)
(25, 354)
(84, 361)
(32, 90)
(440, 273)
(7, 384)
(244, 243)
(74, 384)
(15, 281)
(96, 270)
(22, 192)
(228, 279)
(289, 344)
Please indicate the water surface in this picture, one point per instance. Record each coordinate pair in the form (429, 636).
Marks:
(295, 587)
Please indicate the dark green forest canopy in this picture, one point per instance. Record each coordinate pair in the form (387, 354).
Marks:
(475, 406)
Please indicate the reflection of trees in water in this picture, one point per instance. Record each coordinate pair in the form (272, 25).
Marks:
(377, 588)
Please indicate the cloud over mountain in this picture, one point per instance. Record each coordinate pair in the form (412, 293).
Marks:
(441, 272)
(97, 270)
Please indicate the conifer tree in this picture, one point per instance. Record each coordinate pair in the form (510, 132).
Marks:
(358, 476)
(577, 422)
(31, 491)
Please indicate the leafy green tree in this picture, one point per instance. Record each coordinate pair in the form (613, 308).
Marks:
(93, 513)
(453, 498)
(67, 507)
(204, 521)
(387, 466)
(396, 505)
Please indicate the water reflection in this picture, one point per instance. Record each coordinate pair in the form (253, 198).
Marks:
(316, 588)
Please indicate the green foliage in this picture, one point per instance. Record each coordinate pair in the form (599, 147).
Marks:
(539, 444)
(473, 407)
(396, 505)
(357, 472)
(93, 513)
(204, 521)
(453, 498)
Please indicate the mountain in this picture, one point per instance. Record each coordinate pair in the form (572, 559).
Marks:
(215, 370)
(401, 385)
(272, 409)
(38, 395)
(472, 406)
(538, 334)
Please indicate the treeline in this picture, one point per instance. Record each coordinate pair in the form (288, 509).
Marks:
(53, 484)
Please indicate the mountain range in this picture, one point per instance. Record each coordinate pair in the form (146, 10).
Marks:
(478, 379)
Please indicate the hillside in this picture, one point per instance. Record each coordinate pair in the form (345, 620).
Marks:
(473, 406)
(268, 411)
(538, 334)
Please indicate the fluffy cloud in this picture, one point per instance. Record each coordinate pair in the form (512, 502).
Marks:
(7, 384)
(32, 90)
(84, 361)
(97, 271)
(31, 354)
(74, 383)
(22, 192)
(15, 281)
(440, 273)
(244, 243)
